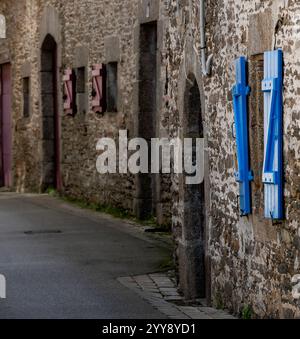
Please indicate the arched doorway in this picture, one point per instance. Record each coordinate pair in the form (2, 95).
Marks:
(193, 242)
(50, 125)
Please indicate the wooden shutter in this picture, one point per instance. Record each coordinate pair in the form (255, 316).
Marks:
(244, 175)
(99, 88)
(273, 130)
(69, 92)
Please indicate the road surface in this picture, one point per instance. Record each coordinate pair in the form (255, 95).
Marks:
(62, 262)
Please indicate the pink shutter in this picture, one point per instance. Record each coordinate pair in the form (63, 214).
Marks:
(98, 75)
(68, 91)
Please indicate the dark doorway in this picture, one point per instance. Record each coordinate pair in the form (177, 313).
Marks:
(5, 126)
(112, 86)
(50, 139)
(146, 190)
(192, 262)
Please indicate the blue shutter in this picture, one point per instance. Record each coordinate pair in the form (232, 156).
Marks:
(273, 140)
(240, 104)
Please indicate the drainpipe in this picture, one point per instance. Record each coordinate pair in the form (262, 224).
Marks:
(206, 64)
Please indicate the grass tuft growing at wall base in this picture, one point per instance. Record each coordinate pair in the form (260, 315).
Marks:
(115, 212)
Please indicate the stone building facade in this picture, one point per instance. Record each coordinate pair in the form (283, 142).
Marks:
(151, 50)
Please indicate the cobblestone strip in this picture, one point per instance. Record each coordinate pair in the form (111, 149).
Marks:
(161, 292)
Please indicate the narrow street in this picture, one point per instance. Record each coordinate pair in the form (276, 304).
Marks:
(183, 114)
(63, 262)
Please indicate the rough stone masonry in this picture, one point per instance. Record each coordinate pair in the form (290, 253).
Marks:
(151, 49)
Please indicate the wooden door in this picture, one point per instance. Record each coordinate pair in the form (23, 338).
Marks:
(5, 122)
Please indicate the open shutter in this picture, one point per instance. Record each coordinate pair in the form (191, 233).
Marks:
(69, 92)
(243, 175)
(99, 86)
(273, 155)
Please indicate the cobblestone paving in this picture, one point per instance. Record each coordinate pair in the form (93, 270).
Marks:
(160, 291)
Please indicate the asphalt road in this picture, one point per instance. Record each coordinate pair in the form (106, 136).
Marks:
(61, 262)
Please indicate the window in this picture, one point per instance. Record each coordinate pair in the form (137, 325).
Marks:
(112, 87)
(81, 97)
(26, 97)
(80, 81)
(256, 131)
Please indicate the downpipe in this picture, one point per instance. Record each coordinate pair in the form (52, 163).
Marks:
(206, 63)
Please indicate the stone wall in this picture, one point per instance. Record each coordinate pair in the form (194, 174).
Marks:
(267, 254)
(252, 261)
(101, 28)
(85, 33)
(240, 262)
